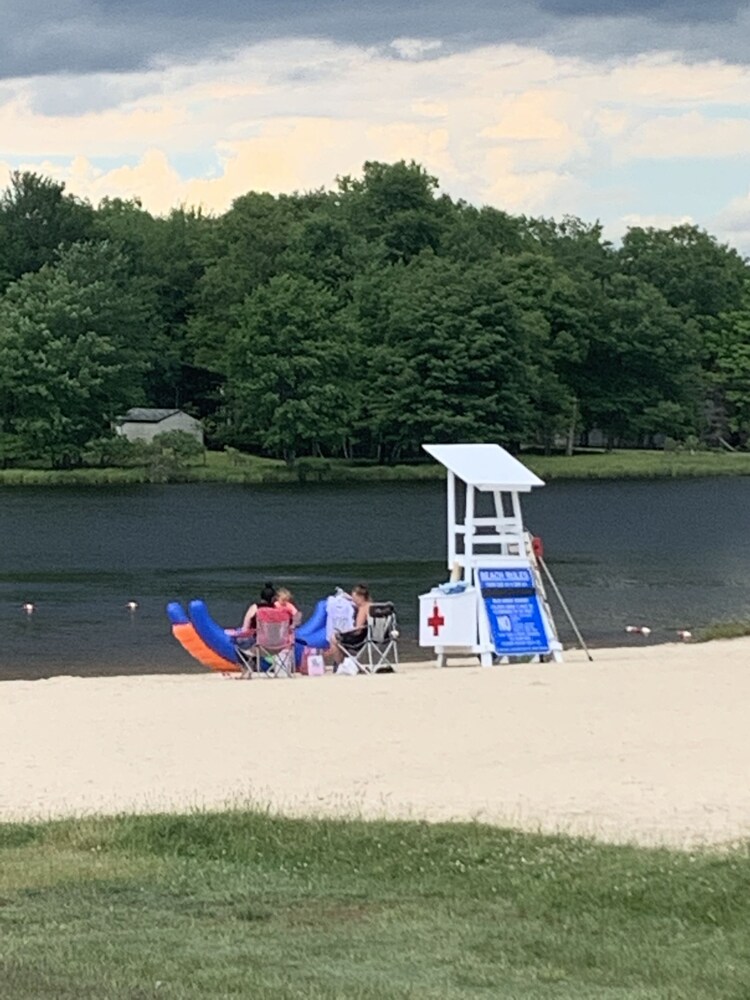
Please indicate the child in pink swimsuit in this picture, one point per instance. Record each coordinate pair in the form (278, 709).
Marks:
(284, 600)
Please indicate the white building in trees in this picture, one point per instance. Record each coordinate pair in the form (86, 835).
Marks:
(141, 424)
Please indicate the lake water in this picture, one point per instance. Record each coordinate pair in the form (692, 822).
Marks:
(669, 554)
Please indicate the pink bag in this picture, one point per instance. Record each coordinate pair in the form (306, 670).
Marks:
(312, 662)
(316, 665)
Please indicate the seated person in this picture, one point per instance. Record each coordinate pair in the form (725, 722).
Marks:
(284, 600)
(343, 642)
(245, 635)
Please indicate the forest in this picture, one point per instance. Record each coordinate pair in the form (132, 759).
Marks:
(359, 322)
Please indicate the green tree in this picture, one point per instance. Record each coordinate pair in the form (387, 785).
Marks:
(472, 234)
(114, 450)
(37, 217)
(394, 207)
(70, 354)
(705, 281)
(289, 370)
(185, 447)
(645, 355)
(694, 272)
(452, 356)
(551, 301)
(244, 250)
(363, 319)
(166, 260)
(325, 247)
(730, 375)
(576, 245)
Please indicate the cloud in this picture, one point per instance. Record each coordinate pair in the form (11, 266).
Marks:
(691, 136)
(657, 221)
(733, 222)
(152, 178)
(664, 79)
(42, 37)
(82, 36)
(413, 48)
(541, 126)
(668, 10)
(533, 192)
(519, 128)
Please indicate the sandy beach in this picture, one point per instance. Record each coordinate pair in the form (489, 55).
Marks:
(649, 745)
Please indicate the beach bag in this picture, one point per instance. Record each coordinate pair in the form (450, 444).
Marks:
(311, 653)
(316, 665)
(348, 667)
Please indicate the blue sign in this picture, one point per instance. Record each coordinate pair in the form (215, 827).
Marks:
(513, 611)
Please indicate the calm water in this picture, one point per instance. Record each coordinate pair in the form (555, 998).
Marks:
(668, 554)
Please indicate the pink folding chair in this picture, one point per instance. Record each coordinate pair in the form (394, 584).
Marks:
(274, 641)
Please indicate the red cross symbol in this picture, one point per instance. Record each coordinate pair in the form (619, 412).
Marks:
(436, 621)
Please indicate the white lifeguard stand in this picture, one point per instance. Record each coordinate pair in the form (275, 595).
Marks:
(496, 606)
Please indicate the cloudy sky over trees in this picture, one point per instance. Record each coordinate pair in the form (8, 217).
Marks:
(634, 113)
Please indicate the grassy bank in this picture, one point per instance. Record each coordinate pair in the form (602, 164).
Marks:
(220, 468)
(244, 905)
(640, 465)
(723, 630)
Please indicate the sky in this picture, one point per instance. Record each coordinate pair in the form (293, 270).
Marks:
(633, 113)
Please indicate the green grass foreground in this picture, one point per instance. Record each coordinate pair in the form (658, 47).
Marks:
(250, 469)
(247, 905)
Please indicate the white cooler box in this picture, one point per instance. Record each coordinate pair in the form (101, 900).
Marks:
(448, 619)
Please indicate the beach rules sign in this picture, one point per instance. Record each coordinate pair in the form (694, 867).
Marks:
(510, 597)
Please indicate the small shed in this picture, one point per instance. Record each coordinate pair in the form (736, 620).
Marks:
(143, 424)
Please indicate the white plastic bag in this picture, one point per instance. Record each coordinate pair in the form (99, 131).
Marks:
(348, 667)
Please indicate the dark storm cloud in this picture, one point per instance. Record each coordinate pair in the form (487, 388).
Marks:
(683, 11)
(82, 36)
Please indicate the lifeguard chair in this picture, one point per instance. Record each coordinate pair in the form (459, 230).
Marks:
(494, 605)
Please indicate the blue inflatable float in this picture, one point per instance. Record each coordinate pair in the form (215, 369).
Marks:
(209, 643)
(313, 631)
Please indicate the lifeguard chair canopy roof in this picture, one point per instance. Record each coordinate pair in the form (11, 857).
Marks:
(485, 466)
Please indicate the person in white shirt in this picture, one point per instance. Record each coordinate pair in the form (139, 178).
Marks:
(352, 638)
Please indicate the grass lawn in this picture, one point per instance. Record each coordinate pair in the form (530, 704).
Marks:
(246, 905)
(251, 469)
(639, 465)
(217, 468)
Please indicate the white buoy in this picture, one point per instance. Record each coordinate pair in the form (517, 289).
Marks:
(685, 635)
(132, 606)
(29, 608)
(645, 630)
(632, 628)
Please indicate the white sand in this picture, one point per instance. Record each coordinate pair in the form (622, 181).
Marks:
(647, 744)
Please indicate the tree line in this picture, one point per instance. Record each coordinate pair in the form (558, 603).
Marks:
(359, 322)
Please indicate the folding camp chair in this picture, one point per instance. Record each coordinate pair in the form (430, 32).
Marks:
(244, 647)
(274, 641)
(378, 651)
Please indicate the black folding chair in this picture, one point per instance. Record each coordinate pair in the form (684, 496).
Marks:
(377, 652)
